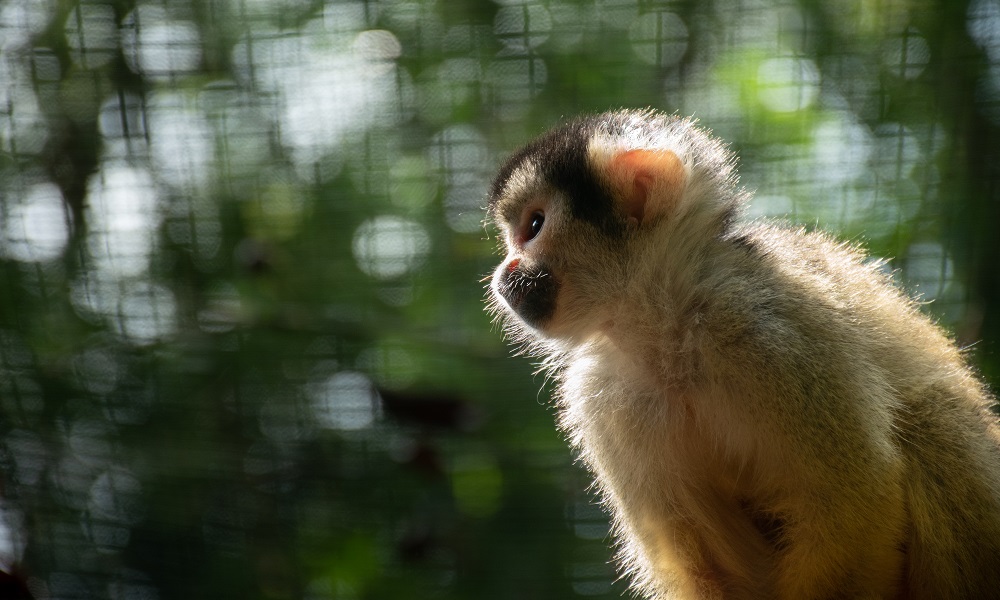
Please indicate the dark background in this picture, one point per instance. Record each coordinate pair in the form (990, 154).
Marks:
(242, 346)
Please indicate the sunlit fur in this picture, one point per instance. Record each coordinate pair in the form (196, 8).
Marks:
(766, 416)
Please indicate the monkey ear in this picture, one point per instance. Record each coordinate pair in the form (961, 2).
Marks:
(649, 182)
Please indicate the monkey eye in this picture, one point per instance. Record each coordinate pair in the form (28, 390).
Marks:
(535, 225)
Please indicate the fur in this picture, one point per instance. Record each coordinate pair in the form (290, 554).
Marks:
(765, 414)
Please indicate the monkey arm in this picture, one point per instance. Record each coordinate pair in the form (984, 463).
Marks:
(830, 474)
(720, 491)
(791, 371)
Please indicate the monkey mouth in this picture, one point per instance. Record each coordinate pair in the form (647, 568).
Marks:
(530, 293)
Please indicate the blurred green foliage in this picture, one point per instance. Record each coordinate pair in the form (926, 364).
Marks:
(242, 345)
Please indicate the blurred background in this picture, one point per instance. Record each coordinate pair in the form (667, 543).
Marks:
(242, 346)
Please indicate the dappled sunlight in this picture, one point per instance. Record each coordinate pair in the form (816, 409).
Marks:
(243, 251)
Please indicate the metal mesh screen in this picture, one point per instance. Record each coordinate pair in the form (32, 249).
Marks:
(242, 346)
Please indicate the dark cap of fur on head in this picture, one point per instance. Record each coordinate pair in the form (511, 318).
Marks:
(559, 158)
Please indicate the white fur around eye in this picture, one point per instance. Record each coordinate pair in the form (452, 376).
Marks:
(525, 232)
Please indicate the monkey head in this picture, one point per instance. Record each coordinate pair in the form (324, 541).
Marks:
(585, 207)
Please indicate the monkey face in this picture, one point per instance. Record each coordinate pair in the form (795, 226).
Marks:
(550, 278)
(525, 283)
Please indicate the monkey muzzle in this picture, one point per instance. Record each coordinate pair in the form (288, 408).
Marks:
(529, 291)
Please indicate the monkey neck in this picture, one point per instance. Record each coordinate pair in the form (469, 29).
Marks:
(658, 320)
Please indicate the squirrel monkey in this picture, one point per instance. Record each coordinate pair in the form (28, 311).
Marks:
(765, 414)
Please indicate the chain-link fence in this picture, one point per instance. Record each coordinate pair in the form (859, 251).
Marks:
(242, 345)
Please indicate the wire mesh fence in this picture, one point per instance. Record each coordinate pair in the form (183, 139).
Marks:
(242, 345)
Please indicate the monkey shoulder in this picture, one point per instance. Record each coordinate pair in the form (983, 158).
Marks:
(771, 278)
(820, 315)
